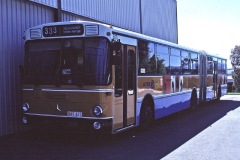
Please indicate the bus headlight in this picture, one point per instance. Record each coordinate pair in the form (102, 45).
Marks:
(97, 111)
(25, 107)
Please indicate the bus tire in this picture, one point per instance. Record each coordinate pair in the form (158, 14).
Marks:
(146, 115)
(193, 100)
(219, 93)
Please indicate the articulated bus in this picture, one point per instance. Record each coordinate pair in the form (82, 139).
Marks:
(98, 76)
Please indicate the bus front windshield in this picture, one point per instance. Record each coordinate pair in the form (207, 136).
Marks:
(71, 61)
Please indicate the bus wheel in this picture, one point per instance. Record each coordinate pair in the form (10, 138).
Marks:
(193, 100)
(146, 116)
(219, 94)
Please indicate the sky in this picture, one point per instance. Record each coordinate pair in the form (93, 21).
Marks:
(209, 25)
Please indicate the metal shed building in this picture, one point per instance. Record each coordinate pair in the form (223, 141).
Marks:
(157, 18)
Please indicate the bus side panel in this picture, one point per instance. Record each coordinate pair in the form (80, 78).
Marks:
(210, 89)
(223, 82)
(167, 105)
(209, 93)
(138, 108)
(224, 89)
(171, 104)
(171, 93)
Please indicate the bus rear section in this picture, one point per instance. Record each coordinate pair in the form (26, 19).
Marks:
(173, 78)
(216, 77)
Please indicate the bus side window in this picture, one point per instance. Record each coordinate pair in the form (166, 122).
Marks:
(147, 60)
(175, 61)
(185, 63)
(118, 81)
(224, 66)
(131, 69)
(194, 60)
(162, 57)
(209, 65)
(118, 77)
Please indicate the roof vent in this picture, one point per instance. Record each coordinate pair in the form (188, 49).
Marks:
(92, 30)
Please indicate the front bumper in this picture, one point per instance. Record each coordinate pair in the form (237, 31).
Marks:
(77, 123)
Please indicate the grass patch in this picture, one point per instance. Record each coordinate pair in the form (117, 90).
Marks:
(234, 93)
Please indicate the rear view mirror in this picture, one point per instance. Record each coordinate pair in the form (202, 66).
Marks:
(116, 53)
(116, 46)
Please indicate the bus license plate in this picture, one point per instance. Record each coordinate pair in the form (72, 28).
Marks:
(74, 114)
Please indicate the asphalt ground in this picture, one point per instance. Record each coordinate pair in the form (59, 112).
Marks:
(209, 132)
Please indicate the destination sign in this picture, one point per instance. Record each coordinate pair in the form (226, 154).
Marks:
(63, 30)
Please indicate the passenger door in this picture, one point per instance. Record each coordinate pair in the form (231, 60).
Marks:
(215, 78)
(125, 90)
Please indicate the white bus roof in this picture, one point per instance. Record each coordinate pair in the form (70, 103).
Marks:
(116, 30)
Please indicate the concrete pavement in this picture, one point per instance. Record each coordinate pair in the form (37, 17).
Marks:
(220, 141)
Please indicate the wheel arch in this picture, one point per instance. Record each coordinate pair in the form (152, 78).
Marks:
(219, 92)
(193, 99)
(148, 99)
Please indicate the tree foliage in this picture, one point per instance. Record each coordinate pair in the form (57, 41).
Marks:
(235, 61)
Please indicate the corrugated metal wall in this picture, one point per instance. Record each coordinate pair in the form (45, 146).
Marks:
(15, 17)
(50, 3)
(66, 16)
(158, 19)
(122, 13)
